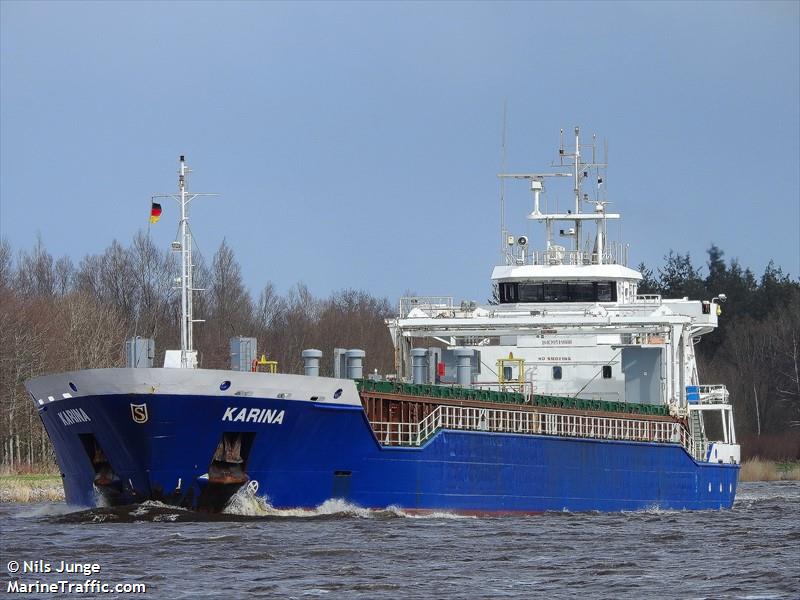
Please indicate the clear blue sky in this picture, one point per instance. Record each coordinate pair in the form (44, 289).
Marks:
(356, 144)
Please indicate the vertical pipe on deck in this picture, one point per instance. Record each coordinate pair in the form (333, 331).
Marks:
(355, 366)
(419, 365)
(464, 366)
(311, 362)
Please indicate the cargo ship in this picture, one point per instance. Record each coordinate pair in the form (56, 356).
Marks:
(569, 391)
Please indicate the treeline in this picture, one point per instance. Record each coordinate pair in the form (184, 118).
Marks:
(755, 351)
(59, 316)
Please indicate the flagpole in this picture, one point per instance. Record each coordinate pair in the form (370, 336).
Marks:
(186, 267)
(186, 279)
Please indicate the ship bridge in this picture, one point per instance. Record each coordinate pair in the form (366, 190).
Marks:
(565, 283)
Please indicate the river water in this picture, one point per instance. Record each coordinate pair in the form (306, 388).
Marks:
(340, 551)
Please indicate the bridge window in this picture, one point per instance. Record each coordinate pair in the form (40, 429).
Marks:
(512, 292)
(557, 292)
(508, 293)
(530, 292)
(556, 372)
(606, 291)
(582, 292)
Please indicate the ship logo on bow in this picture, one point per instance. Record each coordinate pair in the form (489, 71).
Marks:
(139, 413)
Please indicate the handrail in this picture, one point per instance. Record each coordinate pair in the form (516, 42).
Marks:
(562, 256)
(535, 423)
(426, 303)
(648, 298)
(714, 394)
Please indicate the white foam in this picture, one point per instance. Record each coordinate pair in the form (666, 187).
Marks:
(54, 509)
(399, 512)
(655, 509)
(169, 518)
(99, 499)
(103, 517)
(438, 515)
(246, 504)
(157, 504)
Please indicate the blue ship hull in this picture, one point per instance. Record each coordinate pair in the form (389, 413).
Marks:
(320, 451)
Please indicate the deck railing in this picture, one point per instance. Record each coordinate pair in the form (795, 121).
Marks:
(562, 256)
(714, 394)
(534, 423)
(648, 299)
(429, 304)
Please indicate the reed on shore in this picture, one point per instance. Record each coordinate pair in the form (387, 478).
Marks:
(756, 469)
(31, 488)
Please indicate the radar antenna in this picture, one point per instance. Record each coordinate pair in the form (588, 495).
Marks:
(572, 164)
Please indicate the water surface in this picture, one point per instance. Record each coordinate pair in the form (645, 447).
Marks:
(340, 551)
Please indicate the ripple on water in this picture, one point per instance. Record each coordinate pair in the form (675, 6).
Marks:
(341, 550)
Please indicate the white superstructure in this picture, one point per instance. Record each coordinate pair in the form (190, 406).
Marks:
(568, 319)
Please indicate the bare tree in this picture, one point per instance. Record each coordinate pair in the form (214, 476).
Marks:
(64, 276)
(22, 355)
(153, 271)
(786, 329)
(6, 266)
(229, 306)
(88, 276)
(94, 333)
(35, 275)
(118, 280)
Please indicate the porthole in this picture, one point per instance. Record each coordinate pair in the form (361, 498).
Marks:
(337, 393)
(557, 373)
(73, 387)
(224, 385)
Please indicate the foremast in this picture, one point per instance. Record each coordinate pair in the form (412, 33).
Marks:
(186, 280)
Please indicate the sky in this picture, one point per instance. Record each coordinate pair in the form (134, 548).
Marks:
(357, 145)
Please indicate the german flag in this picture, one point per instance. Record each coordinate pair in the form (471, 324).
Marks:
(155, 212)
